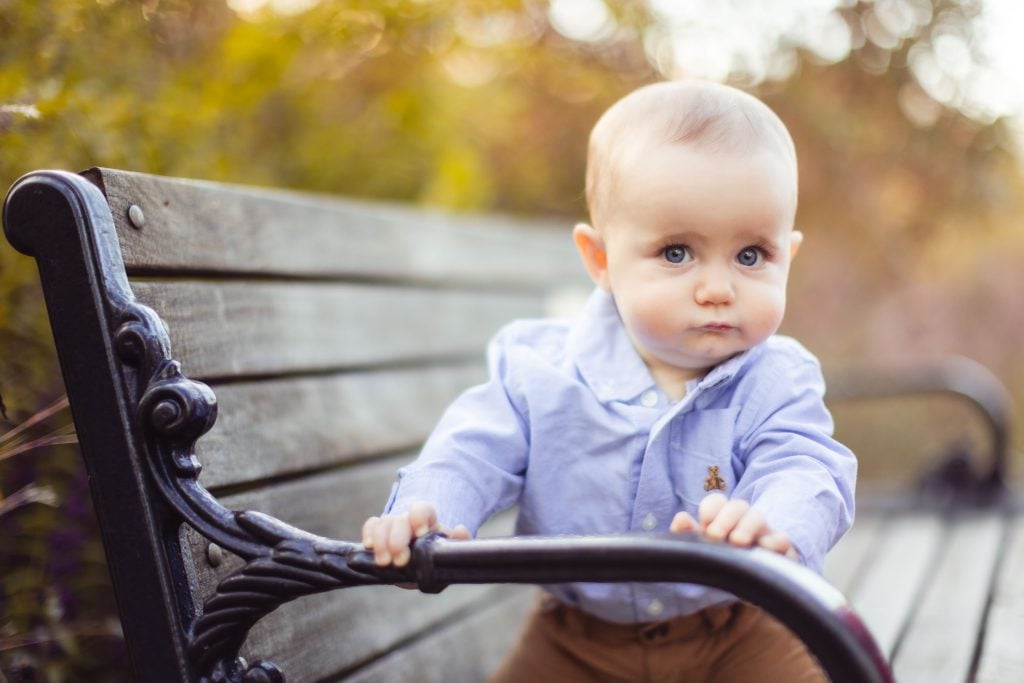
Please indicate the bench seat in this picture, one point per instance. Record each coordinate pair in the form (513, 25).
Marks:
(942, 591)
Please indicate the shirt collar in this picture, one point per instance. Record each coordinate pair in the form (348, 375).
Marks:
(610, 364)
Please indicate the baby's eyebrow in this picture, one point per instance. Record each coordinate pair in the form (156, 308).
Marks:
(767, 234)
(682, 236)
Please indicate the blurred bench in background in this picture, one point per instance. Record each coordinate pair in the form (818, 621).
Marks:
(936, 569)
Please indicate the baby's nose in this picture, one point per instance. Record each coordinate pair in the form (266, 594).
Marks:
(715, 287)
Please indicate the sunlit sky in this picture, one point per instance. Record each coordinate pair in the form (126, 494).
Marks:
(1004, 23)
(719, 40)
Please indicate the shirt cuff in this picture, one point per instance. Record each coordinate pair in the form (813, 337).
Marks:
(454, 501)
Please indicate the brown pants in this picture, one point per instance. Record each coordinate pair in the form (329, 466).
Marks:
(738, 643)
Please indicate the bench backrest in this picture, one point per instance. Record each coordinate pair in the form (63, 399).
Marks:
(333, 334)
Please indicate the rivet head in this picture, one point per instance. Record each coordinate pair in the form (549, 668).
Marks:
(214, 555)
(136, 216)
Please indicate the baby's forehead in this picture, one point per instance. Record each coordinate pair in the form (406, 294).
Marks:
(707, 116)
(702, 116)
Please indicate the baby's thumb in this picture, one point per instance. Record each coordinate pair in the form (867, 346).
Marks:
(683, 522)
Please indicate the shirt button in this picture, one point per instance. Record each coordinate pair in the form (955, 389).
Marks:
(649, 398)
(650, 521)
(655, 608)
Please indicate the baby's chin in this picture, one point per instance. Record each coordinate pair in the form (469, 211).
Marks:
(710, 355)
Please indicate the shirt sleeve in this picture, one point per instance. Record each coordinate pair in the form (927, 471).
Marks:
(796, 475)
(474, 461)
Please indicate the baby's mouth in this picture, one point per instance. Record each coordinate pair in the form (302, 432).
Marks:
(718, 327)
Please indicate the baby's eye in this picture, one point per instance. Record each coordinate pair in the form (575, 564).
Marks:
(676, 254)
(751, 256)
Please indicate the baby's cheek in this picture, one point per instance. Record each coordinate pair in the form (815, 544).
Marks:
(765, 314)
(656, 320)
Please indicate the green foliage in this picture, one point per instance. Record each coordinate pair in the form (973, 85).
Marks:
(445, 102)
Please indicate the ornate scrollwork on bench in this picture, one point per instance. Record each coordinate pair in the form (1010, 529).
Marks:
(298, 564)
(283, 562)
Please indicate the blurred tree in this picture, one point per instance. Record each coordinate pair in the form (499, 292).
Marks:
(910, 193)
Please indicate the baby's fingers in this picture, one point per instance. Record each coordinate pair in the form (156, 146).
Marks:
(382, 535)
(369, 527)
(778, 542)
(751, 527)
(399, 537)
(729, 515)
(422, 519)
(683, 522)
(459, 533)
(710, 507)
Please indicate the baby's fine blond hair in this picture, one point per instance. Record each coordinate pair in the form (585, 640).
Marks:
(709, 116)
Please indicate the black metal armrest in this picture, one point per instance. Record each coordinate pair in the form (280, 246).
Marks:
(955, 376)
(301, 564)
(805, 602)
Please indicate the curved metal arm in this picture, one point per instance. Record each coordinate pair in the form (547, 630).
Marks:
(301, 564)
(957, 376)
(807, 604)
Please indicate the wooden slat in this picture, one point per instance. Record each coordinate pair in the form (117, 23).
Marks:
(886, 593)
(316, 638)
(319, 636)
(942, 637)
(332, 503)
(195, 226)
(269, 428)
(221, 329)
(468, 650)
(853, 553)
(1002, 655)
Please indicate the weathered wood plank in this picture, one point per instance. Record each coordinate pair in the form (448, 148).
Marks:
(221, 329)
(1002, 655)
(339, 630)
(282, 426)
(195, 226)
(466, 651)
(885, 595)
(942, 637)
(854, 552)
(332, 503)
(317, 637)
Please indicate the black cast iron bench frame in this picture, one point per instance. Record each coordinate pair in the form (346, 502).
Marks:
(138, 419)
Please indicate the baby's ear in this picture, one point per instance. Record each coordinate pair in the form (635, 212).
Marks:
(796, 238)
(591, 247)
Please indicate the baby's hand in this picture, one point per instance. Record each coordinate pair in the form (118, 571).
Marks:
(389, 536)
(733, 521)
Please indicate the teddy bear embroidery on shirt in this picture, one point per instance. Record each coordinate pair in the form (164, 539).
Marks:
(714, 482)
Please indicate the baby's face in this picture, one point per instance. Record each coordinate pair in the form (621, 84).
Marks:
(698, 247)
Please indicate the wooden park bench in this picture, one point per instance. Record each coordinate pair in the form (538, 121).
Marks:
(937, 571)
(333, 333)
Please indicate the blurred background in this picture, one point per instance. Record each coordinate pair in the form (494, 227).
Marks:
(907, 115)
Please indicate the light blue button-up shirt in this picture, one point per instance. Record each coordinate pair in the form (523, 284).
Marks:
(572, 427)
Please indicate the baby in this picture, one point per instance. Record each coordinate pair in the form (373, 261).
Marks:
(669, 404)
